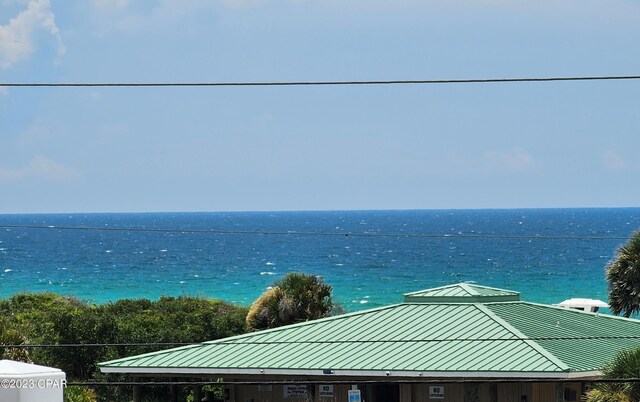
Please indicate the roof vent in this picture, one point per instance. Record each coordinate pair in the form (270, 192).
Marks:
(462, 293)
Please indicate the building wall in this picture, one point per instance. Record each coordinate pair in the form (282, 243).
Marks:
(278, 393)
(461, 392)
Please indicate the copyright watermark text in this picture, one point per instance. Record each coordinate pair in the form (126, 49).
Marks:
(29, 383)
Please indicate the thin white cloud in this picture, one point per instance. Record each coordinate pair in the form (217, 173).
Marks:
(41, 168)
(239, 4)
(611, 160)
(516, 160)
(110, 5)
(17, 38)
(95, 95)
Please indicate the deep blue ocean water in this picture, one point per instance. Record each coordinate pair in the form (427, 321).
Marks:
(370, 258)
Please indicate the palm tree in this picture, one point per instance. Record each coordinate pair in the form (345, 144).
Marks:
(310, 296)
(626, 364)
(268, 311)
(295, 298)
(623, 277)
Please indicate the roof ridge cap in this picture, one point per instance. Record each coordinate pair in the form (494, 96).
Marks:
(469, 289)
(533, 344)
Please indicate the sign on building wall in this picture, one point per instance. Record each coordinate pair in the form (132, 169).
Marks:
(436, 392)
(296, 391)
(354, 395)
(325, 391)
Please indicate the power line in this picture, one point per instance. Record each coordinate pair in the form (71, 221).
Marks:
(323, 83)
(326, 381)
(94, 345)
(311, 233)
(222, 341)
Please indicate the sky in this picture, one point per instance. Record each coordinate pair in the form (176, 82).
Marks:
(151, 149)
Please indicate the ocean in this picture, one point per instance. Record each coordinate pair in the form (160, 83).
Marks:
(370, 258)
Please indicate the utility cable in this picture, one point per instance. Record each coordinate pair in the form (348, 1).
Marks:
(328, 381)
(245, 342)
(311, 233)
(324, 83)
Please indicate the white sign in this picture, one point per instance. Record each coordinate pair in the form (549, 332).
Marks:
(296, 391)
(354, 395)
(436, 392)
(325, 391)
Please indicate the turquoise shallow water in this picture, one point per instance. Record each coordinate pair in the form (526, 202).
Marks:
(369, 257)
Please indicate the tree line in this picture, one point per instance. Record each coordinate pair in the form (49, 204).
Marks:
(130, 327)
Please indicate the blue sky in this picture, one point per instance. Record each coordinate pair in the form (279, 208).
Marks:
(567, 144)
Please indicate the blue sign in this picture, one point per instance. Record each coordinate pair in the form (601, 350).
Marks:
(354, 395)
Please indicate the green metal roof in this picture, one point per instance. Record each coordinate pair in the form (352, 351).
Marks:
(492, 339)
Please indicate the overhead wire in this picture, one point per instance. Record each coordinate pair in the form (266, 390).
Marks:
(312, 233)
(320, 83)
(222, 341)
(328, 381)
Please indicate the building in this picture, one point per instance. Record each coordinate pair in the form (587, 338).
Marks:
(458, 343)
(25, 382)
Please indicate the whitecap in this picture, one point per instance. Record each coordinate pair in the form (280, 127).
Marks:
(267, 273)
(364, 301)
(8, 270)
(270, 263)
(109, 251)
(182, 282)
(339, 265)
(164, 250)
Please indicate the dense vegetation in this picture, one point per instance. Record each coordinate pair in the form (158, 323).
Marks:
(50, 319)
(74, 336)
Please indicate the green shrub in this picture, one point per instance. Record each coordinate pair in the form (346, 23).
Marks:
(76, 393)
(50, 319)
